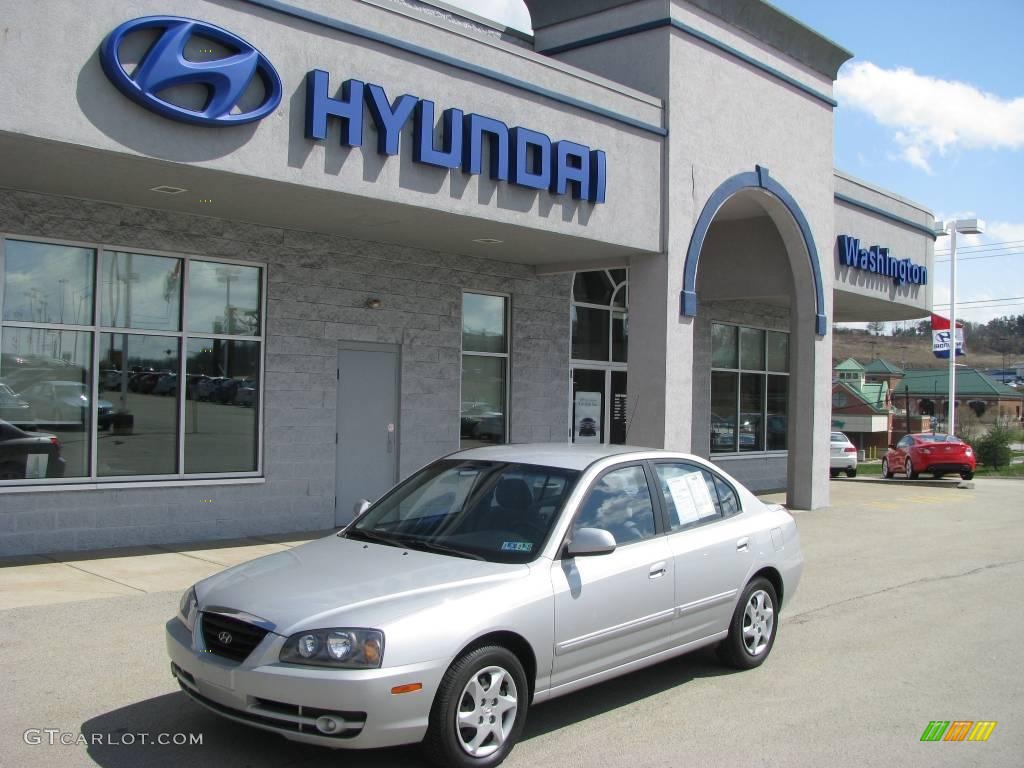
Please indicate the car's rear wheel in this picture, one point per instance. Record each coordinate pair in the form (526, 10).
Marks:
(753, 627)
(851, 472)
(968, 475)
(833, 473)
(908, 468)
(886, 472)
(479, 711)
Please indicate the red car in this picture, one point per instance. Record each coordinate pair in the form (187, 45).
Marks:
(935, 454)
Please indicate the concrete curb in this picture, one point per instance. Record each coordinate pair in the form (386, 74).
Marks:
(901, 481)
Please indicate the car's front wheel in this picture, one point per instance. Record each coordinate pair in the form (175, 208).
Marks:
(479, 711)
(753, 627)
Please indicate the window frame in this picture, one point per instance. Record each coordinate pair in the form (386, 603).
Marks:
(506, 355)
(739, 372)
(182, 335)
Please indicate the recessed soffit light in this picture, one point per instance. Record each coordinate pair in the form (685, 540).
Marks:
(165, 189)
(487, 241)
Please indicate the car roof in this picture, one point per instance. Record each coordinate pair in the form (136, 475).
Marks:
(564, 455)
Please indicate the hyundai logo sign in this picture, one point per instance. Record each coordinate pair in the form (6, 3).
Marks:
(165, 66)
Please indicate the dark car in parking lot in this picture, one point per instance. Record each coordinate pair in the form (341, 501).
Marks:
(28, 454)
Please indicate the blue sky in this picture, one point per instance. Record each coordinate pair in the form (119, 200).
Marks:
(931, 107)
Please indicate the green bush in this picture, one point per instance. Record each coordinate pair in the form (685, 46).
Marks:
(993, 449)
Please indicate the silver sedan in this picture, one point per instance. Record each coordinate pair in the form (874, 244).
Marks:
(487, 582)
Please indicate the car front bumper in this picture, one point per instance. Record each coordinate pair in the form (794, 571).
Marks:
(289, 698)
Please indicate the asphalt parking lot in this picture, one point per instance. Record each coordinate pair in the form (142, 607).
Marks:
(908, 612)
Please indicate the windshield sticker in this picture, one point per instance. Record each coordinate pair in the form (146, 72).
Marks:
(517, 546)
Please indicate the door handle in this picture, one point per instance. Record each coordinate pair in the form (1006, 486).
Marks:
(742, 545)
(657, 570)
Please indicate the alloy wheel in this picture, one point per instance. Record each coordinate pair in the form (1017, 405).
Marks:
(758, 622)
(487, 711)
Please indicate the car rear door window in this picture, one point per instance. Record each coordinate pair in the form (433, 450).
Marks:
(689, 494)
(620, 503)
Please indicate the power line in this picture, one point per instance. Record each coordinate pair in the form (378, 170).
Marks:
(982, 246)
(986, 256)
(983, 301)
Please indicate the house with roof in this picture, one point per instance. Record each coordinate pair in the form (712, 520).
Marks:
(864, 407)
(977, 395)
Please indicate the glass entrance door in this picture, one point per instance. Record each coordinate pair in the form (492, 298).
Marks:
(599, 406)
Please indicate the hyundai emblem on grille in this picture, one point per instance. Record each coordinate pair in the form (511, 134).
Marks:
(225, 638)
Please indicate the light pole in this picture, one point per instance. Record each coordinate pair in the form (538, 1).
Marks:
(964, 227)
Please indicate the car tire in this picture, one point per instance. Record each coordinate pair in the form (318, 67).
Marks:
(886, 472)
(851, 472)
(908, 469)
(753, 627)
(495, 675)
(833, 473)
(967, 475)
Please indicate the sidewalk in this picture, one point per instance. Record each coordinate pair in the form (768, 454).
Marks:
(76, 576)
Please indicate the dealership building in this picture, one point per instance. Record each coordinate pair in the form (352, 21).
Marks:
(260, 259)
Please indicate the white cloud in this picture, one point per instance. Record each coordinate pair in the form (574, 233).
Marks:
(511, 13)
(929, 115)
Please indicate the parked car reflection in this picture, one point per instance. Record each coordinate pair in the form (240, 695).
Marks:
(65, 404)
(15, 409)
(25, 454)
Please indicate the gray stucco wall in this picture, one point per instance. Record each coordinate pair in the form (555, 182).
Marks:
(317, 291)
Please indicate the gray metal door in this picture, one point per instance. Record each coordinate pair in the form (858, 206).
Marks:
(367, 461)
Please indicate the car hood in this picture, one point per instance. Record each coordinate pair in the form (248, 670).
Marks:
(342, 582)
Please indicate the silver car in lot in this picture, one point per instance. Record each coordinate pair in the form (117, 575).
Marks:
(489, 581)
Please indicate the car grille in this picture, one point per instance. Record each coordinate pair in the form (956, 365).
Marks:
(230, 638)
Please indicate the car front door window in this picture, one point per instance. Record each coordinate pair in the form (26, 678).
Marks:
(620, 503)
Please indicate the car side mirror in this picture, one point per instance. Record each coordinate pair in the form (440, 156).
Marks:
(359, 507)
(590, 541)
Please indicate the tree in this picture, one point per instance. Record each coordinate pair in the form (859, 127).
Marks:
(876, 327)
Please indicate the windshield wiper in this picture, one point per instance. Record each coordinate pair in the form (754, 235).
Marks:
(375, 537)
(434, 546)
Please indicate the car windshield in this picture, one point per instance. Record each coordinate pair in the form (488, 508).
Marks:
(486, 510)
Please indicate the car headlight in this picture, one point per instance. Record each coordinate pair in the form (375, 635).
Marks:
(342, 647)
(188, 607)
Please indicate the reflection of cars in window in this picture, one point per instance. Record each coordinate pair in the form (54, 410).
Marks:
(481, 422)
(588, 427)
(460, 577)
(23, 454)
(65, 403)
(15, 409)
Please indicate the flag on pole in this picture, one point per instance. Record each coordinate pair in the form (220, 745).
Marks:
(940, 337)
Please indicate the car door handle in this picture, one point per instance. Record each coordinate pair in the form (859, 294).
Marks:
(742, 545)
(657, 570)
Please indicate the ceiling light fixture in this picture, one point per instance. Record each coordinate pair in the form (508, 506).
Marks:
(165, 189)
(487, 241)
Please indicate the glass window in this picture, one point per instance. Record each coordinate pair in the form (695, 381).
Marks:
(689, 494)
(593, 287)
(140, 291)
(50, 373)
(145, 403)
(728, 503)
(483, 323)
(778, 351)
(122, 420)
(723, 346)
(223, 298)
(483, 418)
(749, 412)
(751, 349)
(620, 336)
(751, 431)
(777, 424)
(45, 283)
(220, 414)
(620, 503)
(590, 333)
(483, 400)
(723, 411)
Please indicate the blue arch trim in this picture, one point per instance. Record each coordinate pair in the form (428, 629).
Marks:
(757, 179)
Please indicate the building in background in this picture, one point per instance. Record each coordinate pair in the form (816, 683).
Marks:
(242, 297)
